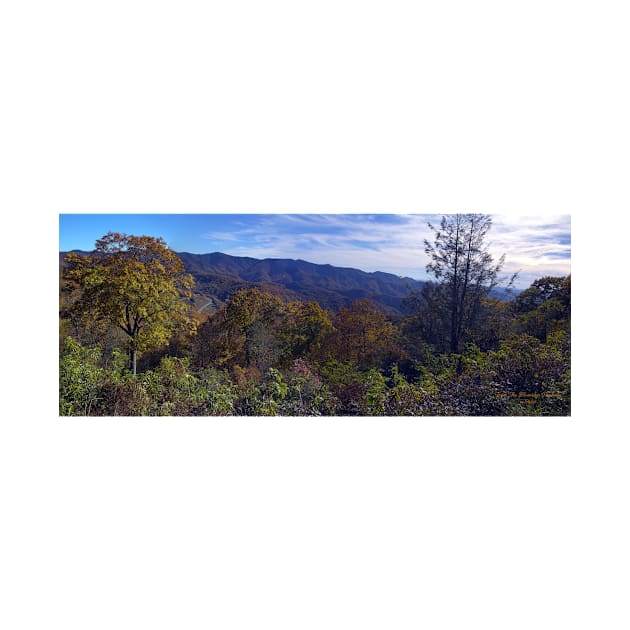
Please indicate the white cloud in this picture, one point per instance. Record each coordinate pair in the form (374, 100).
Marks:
(533, 245)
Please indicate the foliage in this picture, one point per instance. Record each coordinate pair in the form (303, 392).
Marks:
(306, 394)
(544, 307)
(361, 334)
(244, 332)
(305, 329)
(541, 290)
(132, 283)
(538, 374)
(171, 389)
(79, 377)
(257, 355)
(174, 390)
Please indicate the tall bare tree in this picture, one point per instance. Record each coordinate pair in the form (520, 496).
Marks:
(464, 270)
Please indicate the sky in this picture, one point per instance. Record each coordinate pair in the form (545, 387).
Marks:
(534, 246)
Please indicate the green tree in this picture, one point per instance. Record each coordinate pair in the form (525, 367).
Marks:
(495, 323)
(545, 306)
(135, 284)
(424, 329)
(541, 290)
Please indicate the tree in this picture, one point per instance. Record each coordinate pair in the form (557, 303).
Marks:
(251, 320)
(306, 325)
(135, 284)
(362, 334)
(495, 323)
(541, 290)
(424, 329)
(464, 270)
(545, 306)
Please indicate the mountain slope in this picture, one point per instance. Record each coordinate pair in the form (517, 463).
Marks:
(219, 275)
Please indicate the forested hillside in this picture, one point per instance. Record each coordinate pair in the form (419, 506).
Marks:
(219, 276)
(332, 287)
(132, 342)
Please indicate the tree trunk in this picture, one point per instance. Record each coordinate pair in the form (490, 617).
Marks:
(455, 294)
(454, 335)
(133, 361)
(454, 321)
(248, 350)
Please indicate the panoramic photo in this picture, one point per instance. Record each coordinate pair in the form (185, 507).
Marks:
(314, 315)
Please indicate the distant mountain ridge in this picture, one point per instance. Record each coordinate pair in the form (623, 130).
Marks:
(218, 276)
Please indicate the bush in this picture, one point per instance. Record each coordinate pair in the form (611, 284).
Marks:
(407, 399)
(536, 374)
(173, 389)
(306, 393)
(79, 379)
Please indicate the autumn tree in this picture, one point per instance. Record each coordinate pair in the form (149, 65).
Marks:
(251, 320)
(306, 325)
(464, 270)
(362, 334)
(135, 284)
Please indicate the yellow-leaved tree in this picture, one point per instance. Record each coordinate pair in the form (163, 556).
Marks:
(134, 283)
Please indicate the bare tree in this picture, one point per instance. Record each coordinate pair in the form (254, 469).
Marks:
(464, 270)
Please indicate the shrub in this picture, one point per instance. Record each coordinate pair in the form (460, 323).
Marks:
(79, 379)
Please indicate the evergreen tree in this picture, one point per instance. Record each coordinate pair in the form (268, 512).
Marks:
(464, 270)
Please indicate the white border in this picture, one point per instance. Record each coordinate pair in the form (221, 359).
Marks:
(335, 107)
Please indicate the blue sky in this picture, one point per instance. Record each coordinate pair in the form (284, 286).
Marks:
(534, 246)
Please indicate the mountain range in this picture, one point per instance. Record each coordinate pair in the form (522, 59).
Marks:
(218, 276)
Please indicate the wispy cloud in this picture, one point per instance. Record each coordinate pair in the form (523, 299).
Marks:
(371, 242)
(533, 245)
